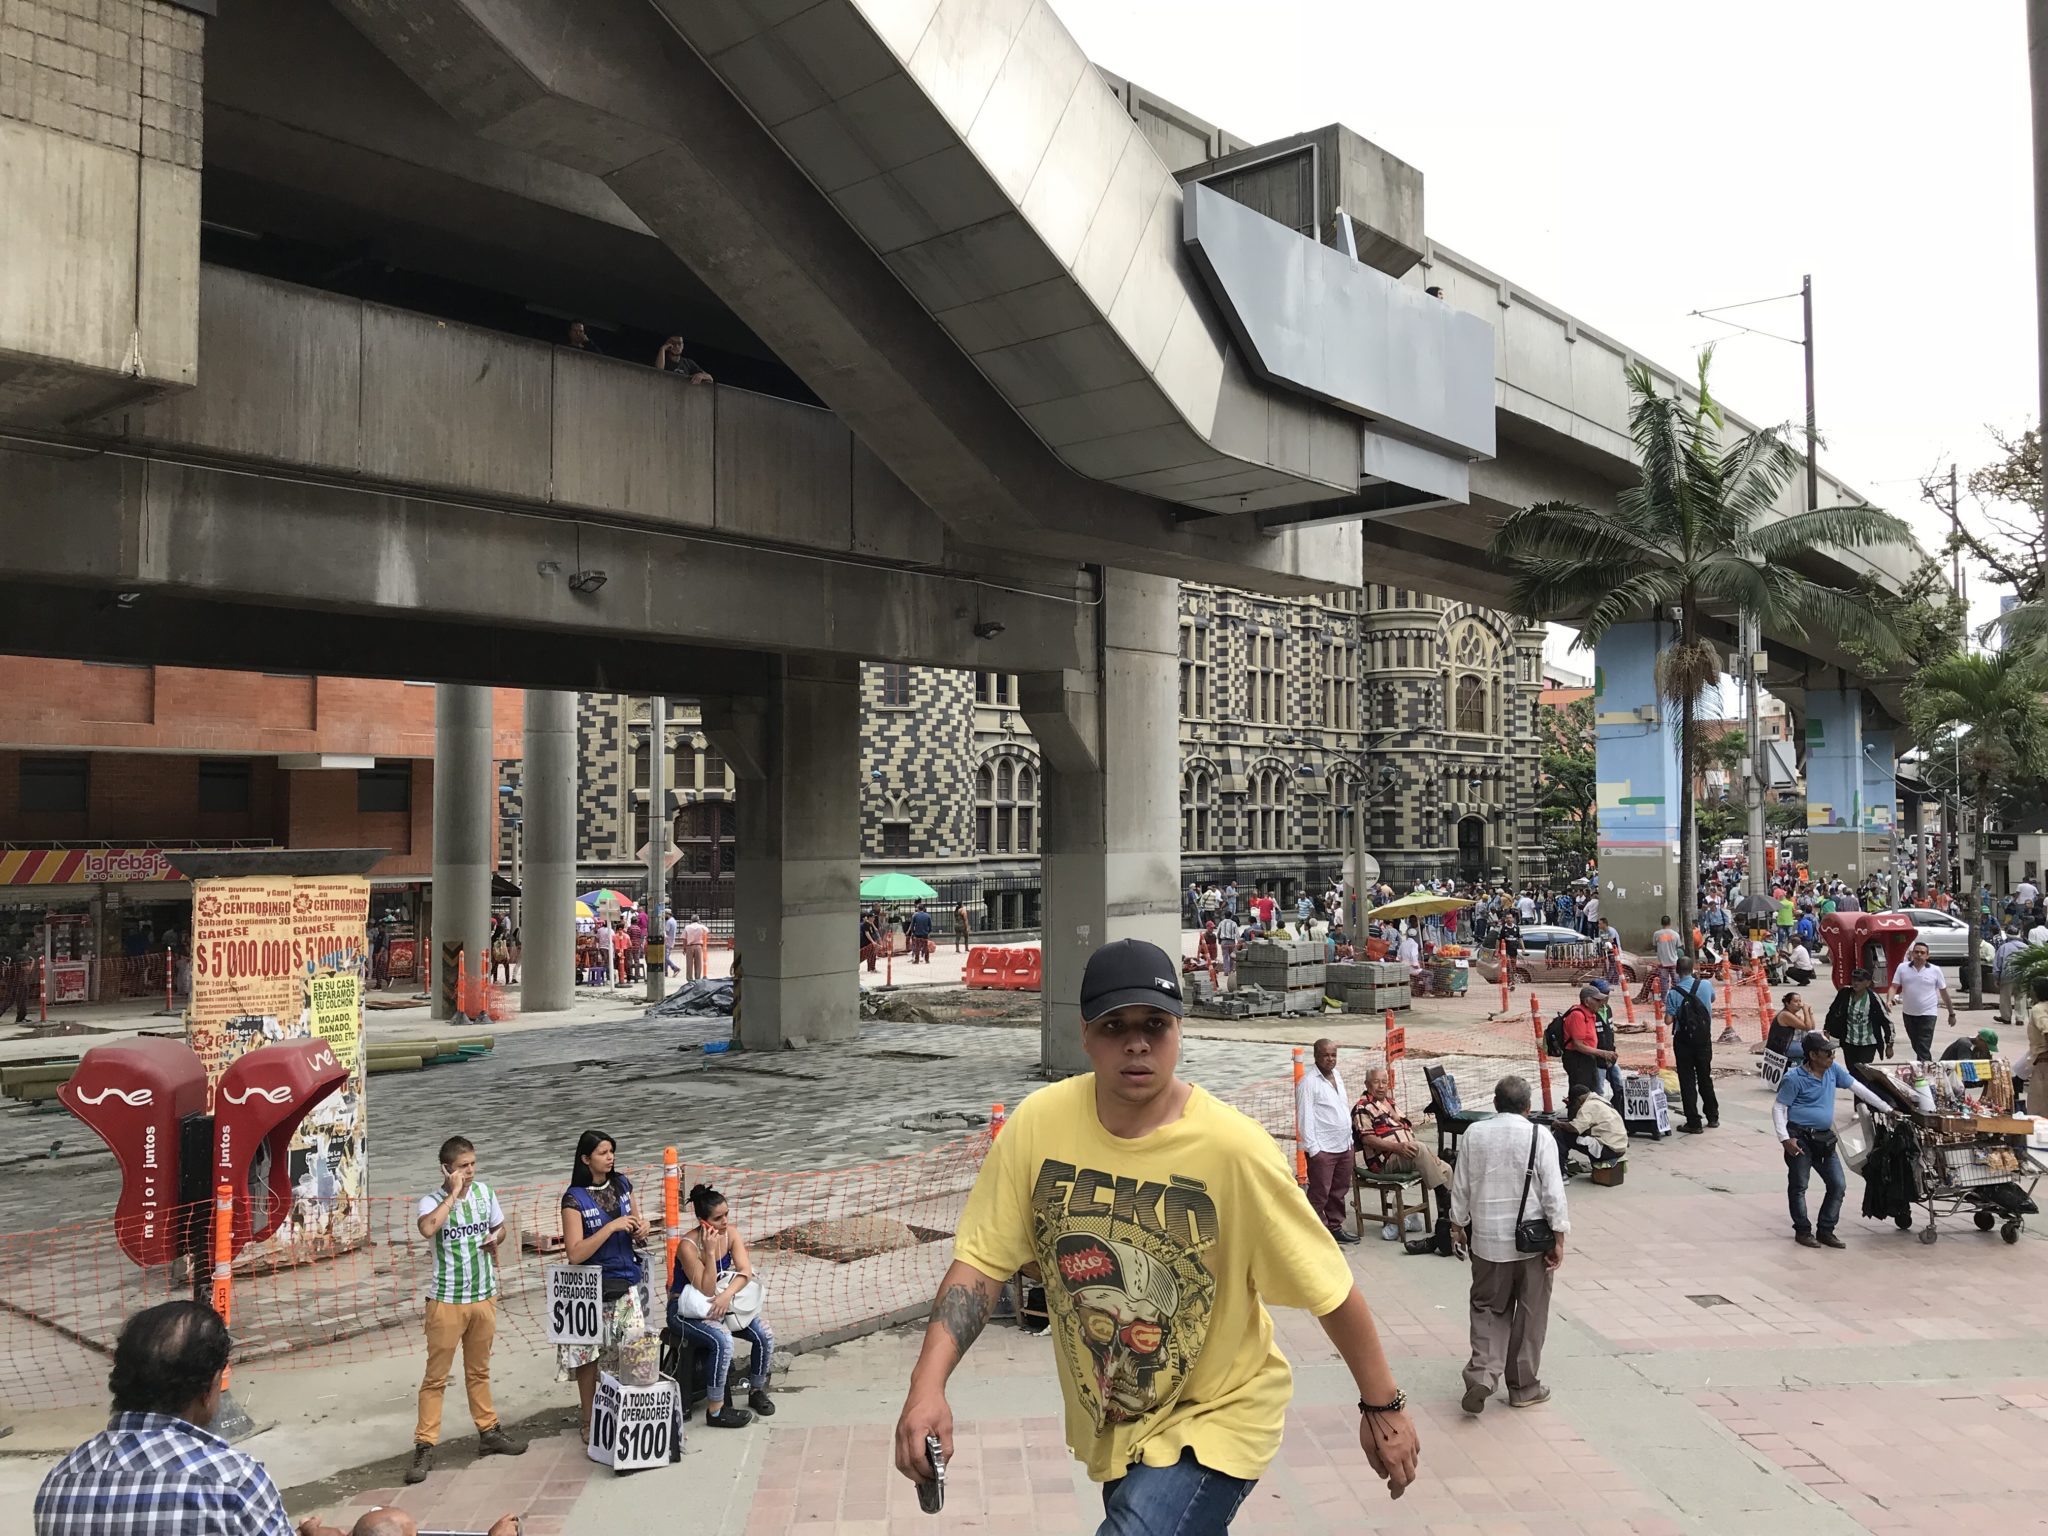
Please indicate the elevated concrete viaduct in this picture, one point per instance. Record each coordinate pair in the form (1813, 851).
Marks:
(1072, 345)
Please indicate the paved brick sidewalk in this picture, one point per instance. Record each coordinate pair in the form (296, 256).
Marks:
(467, 1495)
(1709, 1375)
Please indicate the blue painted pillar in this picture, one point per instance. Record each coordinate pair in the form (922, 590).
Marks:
(1636, 748)
(1834, 781)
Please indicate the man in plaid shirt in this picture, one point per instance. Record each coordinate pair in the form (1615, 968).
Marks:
(154, 1470)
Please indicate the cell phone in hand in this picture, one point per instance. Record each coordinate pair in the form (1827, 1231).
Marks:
(931, 1496)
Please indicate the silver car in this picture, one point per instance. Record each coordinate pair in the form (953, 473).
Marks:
(1947, 937)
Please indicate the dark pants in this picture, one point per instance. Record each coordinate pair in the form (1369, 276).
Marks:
(1860, 1055)
(1920, 1030)
(1694, 1060)
(1816, 1152)
(1328, 1187)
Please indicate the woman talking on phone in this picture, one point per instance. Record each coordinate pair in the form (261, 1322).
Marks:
(599, 1226)
(713, 1261)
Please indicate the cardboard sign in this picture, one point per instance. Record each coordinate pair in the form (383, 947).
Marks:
(575, 1304)
(335, 1004)
(1397, 1043)
(1772, 1066)
(1643, 1102)
(634, 1427)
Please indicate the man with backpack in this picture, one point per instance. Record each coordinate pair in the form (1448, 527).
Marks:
(1689, 1002)
(1574, 1035)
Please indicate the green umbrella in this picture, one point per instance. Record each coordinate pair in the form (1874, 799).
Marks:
(894, 887)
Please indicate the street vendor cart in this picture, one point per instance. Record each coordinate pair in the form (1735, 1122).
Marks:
(1969, 1153)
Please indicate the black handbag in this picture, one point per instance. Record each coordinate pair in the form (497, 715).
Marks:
(1532, 1236)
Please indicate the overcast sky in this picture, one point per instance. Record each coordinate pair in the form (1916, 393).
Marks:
(1631, 162)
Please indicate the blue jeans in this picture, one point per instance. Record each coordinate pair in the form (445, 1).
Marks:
(1185, 1499)
(1799, 1168)
(715, 1341)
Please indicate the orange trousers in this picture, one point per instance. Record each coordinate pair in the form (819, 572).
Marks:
(471, 1324)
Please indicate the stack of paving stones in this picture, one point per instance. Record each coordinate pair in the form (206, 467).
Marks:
(1293, 970)
(1369, 986)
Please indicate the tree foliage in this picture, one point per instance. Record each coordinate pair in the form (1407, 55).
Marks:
(1699, 531)
(1570, 781)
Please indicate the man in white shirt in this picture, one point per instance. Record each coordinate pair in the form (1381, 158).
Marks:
(1920, 988)
(696, 946)
(1507, 1172)
(672, 961)
(2027, 894)
(1799, 967)
(1525, 908)
(1410, 953)
(1324, 1116)
(2038, 934)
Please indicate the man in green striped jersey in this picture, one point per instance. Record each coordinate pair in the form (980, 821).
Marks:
(465, 1225)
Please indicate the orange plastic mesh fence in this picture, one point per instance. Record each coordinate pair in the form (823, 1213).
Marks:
(838, 1249)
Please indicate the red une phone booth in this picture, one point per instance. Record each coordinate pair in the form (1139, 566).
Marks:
(261, 1099)
(143, 1098)
(1876, 939)
(146, 1099)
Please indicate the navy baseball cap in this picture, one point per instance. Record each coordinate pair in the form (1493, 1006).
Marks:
(1126, 972)
(1599, 984)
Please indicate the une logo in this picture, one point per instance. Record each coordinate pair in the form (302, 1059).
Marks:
(271, 1095)
(133, 1098)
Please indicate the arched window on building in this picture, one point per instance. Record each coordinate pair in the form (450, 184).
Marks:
(1027, 810)
(1006, 807)
(1470, 714)
(985, 809)
(1197, 810)
(1268, 823)
(1342, 807)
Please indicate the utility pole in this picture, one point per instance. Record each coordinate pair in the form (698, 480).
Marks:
(657, 841)
(1812, 429)
(1758, 775)
(2037, 76)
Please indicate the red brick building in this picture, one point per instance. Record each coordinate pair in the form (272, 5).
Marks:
(104, 768)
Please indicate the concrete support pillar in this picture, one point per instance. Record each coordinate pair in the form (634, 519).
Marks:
(1834, 782)
(796, 906)
(465, 793)
(1880, 796)
(1111, 798)
(1639, 794)
(547, 972)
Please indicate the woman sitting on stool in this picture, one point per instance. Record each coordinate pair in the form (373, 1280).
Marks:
(713, 1260)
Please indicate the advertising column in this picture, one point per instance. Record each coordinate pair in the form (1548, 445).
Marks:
(282, 958)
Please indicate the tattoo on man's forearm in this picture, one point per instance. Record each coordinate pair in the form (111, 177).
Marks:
(963, 1312)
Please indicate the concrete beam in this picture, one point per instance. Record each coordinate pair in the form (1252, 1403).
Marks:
(146, 526)
(612, 89)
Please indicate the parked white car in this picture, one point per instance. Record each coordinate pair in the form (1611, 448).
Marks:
(1946, 936)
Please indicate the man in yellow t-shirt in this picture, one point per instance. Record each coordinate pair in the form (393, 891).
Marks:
(1161, 1221)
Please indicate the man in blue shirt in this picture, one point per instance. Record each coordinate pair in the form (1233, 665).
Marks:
(1689, 1004)
(1804, 1118)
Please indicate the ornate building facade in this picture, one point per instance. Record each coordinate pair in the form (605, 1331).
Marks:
(1295, 715)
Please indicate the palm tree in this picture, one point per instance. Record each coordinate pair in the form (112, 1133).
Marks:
(1699, 533)
(1995, 708)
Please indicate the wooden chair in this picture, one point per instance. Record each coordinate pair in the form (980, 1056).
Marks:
(1395, 1189)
